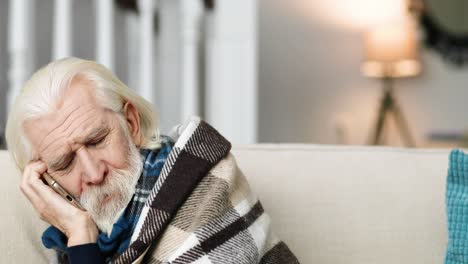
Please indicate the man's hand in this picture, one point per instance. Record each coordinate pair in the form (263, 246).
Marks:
(77, 225)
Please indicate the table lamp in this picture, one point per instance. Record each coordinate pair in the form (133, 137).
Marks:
(391, 51)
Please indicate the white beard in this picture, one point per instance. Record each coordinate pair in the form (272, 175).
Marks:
(121, 184)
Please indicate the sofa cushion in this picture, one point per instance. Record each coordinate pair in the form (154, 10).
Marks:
(330, 204)
(21, 226)
(346, 204)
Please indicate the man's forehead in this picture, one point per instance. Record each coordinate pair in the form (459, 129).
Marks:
(78, 98)
(57, 134)
(74, 115)
(81, 136)
(59, 120)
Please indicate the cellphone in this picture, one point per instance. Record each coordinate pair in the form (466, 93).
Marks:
(61, 191)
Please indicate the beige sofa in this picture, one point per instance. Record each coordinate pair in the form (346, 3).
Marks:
(331, 204)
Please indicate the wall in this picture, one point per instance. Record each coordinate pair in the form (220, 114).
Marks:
(310, 81)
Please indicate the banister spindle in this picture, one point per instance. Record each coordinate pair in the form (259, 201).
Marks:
(62, 46)
(146, 87)
(20, 45)
(105, 33)
(191, 18)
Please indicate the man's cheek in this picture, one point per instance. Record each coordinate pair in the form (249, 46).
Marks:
(115, 157)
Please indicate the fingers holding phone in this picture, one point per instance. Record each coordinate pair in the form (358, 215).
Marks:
(51, 207)
(61, 191)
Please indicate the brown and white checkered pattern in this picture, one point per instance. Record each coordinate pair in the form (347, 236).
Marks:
(201, 209)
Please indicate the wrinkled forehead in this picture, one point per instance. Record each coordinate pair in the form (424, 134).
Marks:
(76, 113)
(58, 130)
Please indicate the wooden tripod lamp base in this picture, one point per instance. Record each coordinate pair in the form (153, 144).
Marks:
(389, 106)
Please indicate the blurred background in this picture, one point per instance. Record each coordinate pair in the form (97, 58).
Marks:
(357, 72)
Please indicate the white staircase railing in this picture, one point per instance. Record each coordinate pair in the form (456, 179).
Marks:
(199, 62)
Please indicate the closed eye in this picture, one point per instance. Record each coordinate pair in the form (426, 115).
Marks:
(67, 165)
(96, 142)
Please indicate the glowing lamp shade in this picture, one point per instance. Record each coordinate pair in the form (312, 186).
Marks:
(391, 51)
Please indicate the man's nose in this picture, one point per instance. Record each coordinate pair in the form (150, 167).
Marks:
(93, 170)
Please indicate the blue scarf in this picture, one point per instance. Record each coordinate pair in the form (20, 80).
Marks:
(122, 230)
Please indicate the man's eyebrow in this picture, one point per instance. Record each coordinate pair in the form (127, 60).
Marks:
(95, 133)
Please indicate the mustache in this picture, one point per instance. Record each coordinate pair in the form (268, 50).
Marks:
(120, 185)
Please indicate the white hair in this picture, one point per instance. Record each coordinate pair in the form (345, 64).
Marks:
(41, 93)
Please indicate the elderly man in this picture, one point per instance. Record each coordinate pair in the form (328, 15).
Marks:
(145, 198)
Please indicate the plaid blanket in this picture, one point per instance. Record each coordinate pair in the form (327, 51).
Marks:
(201, 209)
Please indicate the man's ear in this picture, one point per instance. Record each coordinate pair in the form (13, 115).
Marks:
(133, 121)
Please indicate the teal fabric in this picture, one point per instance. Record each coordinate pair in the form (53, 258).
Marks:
(456, 199)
